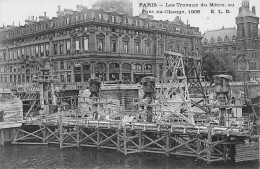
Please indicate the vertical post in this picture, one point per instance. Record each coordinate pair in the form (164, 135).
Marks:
(41, 92)
(209, 144)
(167, 144)
(259, 144)
(54, 99)
(98, 138)
(198, 144)
(125, 141)
(61, 133)
(118, 139)
(77, 128)
(2, 137)
(44, 133)
(140, 141)
(15, 134)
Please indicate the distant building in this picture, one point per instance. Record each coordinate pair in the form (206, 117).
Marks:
(241, 44)
(85, 43)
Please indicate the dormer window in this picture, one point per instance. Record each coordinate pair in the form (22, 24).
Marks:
(126, 20)
(67, 20)
(85, 16)
(100, 16)
(136, 22)
(113, 19)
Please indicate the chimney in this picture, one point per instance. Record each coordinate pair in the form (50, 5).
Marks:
(45, 14)
(240, 9)
(32, 18)
(59, 8)
(13, 23)
(36, 18)
(253, 9)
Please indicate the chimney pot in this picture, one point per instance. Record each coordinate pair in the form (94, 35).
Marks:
(59, 8)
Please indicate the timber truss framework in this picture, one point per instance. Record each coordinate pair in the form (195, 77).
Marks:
(174, 83)
(206, 144)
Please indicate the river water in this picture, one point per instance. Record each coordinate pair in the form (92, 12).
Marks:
(51, 157)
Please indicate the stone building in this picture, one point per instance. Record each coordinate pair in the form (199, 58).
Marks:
(93, 43)
(240, 44)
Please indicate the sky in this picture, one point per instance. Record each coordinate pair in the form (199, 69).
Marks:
(15, 11)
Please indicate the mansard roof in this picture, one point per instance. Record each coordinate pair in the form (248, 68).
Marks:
(220, 35)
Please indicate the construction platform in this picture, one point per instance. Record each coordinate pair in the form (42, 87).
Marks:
(208, 143)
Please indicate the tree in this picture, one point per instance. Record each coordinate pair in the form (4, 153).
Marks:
(213, 65)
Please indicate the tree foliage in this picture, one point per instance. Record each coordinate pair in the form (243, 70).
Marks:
(213, 65)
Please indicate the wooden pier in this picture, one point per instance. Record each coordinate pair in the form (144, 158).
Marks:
(207, 143)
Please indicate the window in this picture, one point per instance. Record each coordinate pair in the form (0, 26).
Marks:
(4, 53)
(67, 20)
(68, 77)
(85, 16)
(41, 50)
(125, 46)
(185, 50)
(61, 47)
(160, 49)
(10, 54)
(100, 16)
(47, 49)
(137, 47)
(10, 69)
(126, 20)
(36, 51)
(137, 67)
(113, 18)
(55, 48)
(100, 45)
(113, 45)
(148, 68)
(226, 49)
(22, 52)
(68, 46)
(62, 77)
(136, 22)
(77, 45)
(61, 65)
(28, 52)
(85, 43)
(32, 51)
(147, 48)
(77, 18)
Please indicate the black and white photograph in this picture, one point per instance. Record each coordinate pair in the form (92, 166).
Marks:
(129, 84)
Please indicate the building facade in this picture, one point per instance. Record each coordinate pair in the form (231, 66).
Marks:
(93, 43)
(240, 44)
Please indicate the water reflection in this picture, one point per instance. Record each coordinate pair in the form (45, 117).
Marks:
(44, 157)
